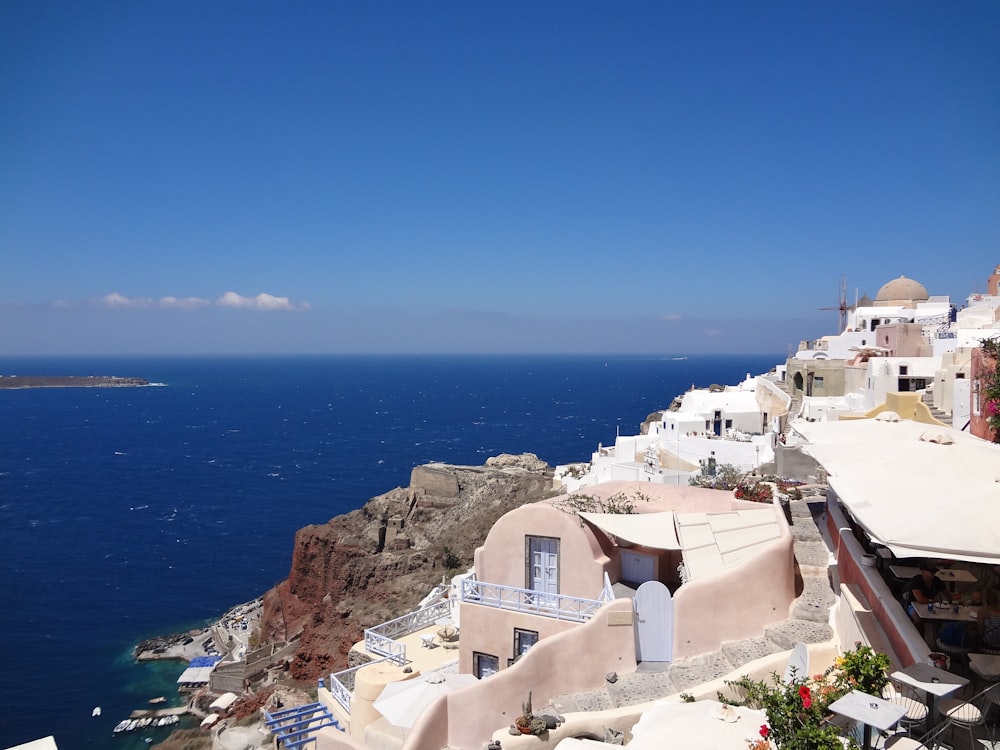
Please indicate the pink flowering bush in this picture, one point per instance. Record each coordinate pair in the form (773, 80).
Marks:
(989, 386)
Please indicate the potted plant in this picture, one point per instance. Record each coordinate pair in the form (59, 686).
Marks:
(527, 722)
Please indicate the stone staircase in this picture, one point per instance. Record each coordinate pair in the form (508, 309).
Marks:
(928, 398)
(808, 623)
(796, 403)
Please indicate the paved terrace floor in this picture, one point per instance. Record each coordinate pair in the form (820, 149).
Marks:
(423, 656)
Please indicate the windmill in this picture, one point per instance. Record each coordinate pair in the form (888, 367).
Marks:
(843, 304)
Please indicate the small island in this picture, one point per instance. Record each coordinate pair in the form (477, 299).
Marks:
(69, 381)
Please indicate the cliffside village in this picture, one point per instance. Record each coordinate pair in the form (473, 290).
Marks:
(628, 607)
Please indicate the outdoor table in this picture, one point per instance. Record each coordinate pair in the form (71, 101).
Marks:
(870, 711)
(949, 576)
(937, 683)
(944, 614)
(903, 572)
(986, 666)
(884, 555)
(957, 575)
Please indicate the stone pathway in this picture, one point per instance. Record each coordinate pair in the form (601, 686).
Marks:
(809, 623)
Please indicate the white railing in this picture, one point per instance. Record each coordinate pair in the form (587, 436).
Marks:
(382, 638)
(342, 683)
(556, 606)
(376, 643)
(340, 691)
(607, 593)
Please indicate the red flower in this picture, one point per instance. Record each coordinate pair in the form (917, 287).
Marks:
(806, 697)
(764, 731)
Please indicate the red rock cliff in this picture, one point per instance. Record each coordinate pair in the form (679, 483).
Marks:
(378, 562)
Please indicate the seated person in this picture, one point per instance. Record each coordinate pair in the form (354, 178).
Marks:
(924, 587)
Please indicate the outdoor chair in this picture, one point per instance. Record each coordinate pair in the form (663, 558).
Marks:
(969, 714)
(908, 699)
(905, 742)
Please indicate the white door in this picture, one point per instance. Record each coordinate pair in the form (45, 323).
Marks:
(544, 556)
(637, 568)
(654, 622)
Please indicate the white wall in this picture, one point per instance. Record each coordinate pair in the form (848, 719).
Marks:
(829, 408)
(961, 403)
(743, 455)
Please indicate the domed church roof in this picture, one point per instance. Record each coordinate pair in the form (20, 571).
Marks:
(902, 289)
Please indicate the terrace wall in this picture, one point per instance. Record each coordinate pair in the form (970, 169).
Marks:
(906, 641)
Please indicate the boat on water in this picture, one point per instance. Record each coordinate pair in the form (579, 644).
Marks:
(158, 699)
(120, 726)
(96, 711)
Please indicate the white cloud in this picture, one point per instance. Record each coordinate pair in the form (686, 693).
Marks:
(184, 303)
(673, 317)
(118, 300)
(262, 301)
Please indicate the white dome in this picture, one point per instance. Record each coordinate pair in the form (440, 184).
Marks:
(902, 289)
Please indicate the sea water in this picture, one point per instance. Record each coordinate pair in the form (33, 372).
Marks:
(132, 512)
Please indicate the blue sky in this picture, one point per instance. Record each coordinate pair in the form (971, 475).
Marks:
(578, 176)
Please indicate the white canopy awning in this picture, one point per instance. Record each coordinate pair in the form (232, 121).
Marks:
(195, 675)
(224, 701)
(653, 530)
(922, 491)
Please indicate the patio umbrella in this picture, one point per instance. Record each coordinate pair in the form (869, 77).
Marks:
(702, 725)
(402, 703)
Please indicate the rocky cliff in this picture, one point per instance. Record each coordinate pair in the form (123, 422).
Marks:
(378, 562)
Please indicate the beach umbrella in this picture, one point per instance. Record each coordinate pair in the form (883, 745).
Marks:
(402, 703)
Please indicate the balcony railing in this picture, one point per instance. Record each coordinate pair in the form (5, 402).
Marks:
(556, 606)
(382, 638)
(342, 683)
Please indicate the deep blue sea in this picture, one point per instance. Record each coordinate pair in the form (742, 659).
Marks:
(133, 512)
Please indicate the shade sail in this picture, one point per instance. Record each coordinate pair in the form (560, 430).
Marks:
(920, 491)
(715, 541)
(402, 703)
(653, 530)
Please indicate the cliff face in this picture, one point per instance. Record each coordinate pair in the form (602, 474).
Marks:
(378, 562)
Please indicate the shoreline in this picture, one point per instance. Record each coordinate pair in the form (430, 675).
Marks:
(20, 382)
(189, 644)
(174, 646)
